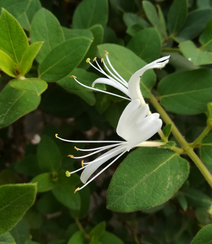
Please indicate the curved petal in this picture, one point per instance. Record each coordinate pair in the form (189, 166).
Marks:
(113, 83)
(94, 165)
(134, 82)
(123, 127)
(144, 132)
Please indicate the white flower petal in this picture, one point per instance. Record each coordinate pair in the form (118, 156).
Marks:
(113, 83)
(94, 165)
(134, 82)
(144, 132)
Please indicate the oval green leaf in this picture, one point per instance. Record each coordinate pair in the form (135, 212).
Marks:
(15, 103)
(186, 92)
(177, 15)
(7, 239)
(146, 44)
(7, 64)
(64, 191)
(194, 24)
(206, 149)
(146, 178)
(45, 27)
(34, 85)
(13, 40)
(14, 7)
(72, 86)
(49, 156)
(44, 182)
(195, 55)
(203, 236)
(28, 57)
(15, 200)
(126, 63)
(206, 37)
(63, 59)
(89, 13)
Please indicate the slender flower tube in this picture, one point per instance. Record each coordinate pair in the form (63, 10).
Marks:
(112, 78)
(134, 126)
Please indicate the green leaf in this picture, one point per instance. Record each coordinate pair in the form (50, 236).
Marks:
(26, 18)
(15, 103)
(44, 182)
(16, 8)
(182, 201)
(21, 232)
(108, 237)
(126, 63)
(134, 29)
(203, 236)
(206, 149)
(167, 130)
(146, 178)
(97, 231)
(6, 64)
(195, 23)
(206, 37)
(89, 13)
(152, 16)
(49, 156)
(34, 85)
(15, 200)
(28, 57)
(85, 77)
(63, 59)
(197, 199)
(78, 238)
(71, 33)
(177, 15)
(7, 239)
(13, 40)
(131, 19)
(195, 55)
(45, 27)
(64, 191)
(186, 92)
(146, 44)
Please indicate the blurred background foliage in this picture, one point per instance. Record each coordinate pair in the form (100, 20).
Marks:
(50, 102)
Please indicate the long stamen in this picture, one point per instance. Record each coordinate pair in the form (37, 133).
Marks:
(95, 152)
(95, 89)
(76, 141)
(115, 77)
(96, 148)
(80, 188)
(108, 60)
(103, 72)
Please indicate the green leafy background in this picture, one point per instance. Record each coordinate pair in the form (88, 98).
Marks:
(150, 195)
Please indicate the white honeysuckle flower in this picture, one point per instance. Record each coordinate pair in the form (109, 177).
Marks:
(131, 88)
(134, 126)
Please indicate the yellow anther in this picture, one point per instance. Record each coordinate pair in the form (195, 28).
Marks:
(68, 174)
(56, 135)
(70, 156)
(82, 163)
(94, 59)
(73, 76)
(76, 190)
(75, 148)
(106, 52)
(102, 60)
(88, 60)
